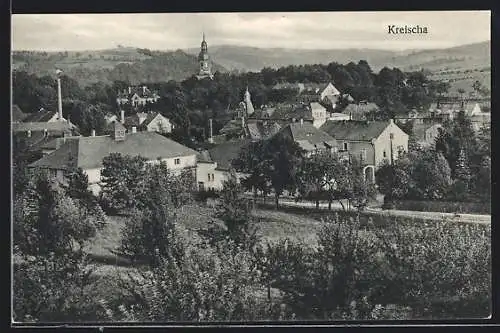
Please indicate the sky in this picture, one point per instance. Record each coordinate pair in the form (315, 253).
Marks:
(303, 30)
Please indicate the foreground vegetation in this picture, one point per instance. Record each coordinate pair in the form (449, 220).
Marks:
(229, 271)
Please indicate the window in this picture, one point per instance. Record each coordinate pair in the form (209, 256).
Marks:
(346, 147)
(177, 161)
(363, 154)
(385, 154)
(211, 177)
(391, 136)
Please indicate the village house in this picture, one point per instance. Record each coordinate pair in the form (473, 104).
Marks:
(318, 92)
(137, 96)
(313, 92)
(148, 121)
(425, 134)
(36, 134)
(46, 116)
(214, 165)
(309, 138)
(369, 141)
(88, 153)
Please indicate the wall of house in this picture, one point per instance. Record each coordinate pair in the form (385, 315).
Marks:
(217, 176)
(356, 148)
(430, 135)
(185, 162)
(319, 116)
(328, 91)
(383, 143)
(203, 170)
(94, 175)
(160, 124)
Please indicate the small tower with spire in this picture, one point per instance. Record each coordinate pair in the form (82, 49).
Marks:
(204, 61)
(248, 103)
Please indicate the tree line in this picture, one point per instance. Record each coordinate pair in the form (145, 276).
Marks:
(192, 102)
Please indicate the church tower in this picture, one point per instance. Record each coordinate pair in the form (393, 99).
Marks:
(248, 103)
(204, 61)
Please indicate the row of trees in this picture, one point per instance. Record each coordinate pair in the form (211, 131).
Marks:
(278, 164)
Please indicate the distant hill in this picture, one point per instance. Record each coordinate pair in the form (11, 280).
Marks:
(460, 65)
(254, 59)
(122, 63)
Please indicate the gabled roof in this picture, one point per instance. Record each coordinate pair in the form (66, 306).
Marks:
(55, 143)
(226, 152)
(316, 105)
(152, 116)
(309, 136)
(55, 126)
(115, 126)
(40, 116)
(259, 130)
(355, 130)
(88, 152)
(17, 114)
(289, 112)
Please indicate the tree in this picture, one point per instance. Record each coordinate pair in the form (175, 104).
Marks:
(234, 211)
(282, 158)
(456, 135)
(432, 175)
(251, 161)
(395, 180)
(313, 176)
(51, 272)
(145, 236)
(122, 183)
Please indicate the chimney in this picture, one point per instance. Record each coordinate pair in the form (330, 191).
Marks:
(301, 121)
(210, 137)
(391, 121)
(134, 129)
(129, 90)
(143, 90)
(243, 122)
(92, 132)
(29, 134)
(122, 116)
(59, 97)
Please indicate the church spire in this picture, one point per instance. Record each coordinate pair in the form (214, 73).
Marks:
(203, 35)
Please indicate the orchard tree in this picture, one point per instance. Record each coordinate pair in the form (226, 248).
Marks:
(234, 210)
(432, 175)
(122, 183)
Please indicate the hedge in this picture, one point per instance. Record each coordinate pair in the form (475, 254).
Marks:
(444, 206)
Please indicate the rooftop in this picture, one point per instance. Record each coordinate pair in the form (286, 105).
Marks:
(226, 152)
(308, 136)
(355, 130)
(88, 152)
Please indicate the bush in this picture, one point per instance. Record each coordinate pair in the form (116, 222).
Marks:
(201, 283)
